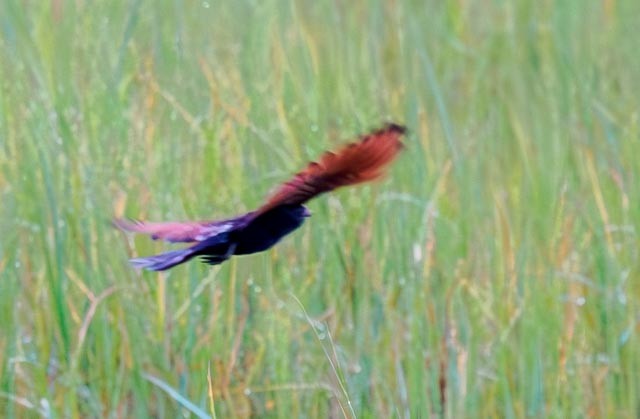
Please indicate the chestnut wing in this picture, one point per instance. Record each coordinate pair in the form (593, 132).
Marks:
(358, 162)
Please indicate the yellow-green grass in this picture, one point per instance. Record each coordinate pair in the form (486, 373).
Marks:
(493, 273)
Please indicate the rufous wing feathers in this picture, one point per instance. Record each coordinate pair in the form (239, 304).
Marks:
(355, 163)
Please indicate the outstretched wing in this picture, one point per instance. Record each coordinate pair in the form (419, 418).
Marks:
(174, 232)
(358, 162)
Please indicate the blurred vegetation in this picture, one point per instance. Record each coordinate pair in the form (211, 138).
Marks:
(494, 273)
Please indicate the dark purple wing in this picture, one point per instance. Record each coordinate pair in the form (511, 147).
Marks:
(358, 162)
(187, 232)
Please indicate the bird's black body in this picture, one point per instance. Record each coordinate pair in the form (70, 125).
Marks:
(247, 235)
(267, 229)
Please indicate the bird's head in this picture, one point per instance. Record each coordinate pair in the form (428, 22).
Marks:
(299, 212)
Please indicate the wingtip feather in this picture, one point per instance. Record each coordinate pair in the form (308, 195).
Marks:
(125, 224)
(394, 127)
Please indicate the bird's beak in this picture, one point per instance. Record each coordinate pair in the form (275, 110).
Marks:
(306, 212)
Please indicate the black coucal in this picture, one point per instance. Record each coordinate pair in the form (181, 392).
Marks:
(255, 231)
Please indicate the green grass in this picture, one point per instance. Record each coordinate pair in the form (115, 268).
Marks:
(494, 273)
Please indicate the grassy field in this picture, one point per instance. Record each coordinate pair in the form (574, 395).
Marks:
(493, 273)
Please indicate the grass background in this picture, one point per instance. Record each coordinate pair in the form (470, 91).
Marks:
(494, 273)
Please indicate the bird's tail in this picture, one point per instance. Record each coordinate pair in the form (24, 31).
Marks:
(164, 261)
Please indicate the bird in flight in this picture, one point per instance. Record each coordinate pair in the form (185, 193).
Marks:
(216, 241)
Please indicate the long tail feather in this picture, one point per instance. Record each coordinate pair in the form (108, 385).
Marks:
(163, 261)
